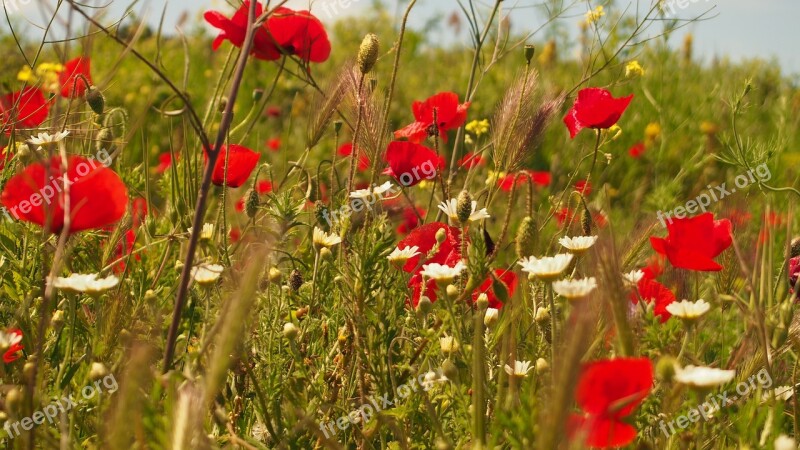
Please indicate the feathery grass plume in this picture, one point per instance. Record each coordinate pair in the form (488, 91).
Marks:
(371, 139)
(520, 122)
(188, 416)
(128, 401)
(233, 324)
(325, 106)
(525, 242)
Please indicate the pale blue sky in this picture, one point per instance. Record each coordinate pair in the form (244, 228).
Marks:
(741, 28)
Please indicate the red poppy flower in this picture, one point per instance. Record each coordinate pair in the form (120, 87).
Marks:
(235, 30)
(138, 211)
(584, 187)
(97, 196)
(431, 290)
(23, 109)
(471, 160)
(263, 187)
(71, 78)
(694, 242)
(235, 234)
(564, 216)
(539, 178)
(12, 354)
(794, 272)
(424, 237)
(273, 111)
(637, 150)
(241, 162)
(607, 392)
(410, 163)
(595, 108)
(298, 33)
(410, 220)
(507, 277)
(164, 162)
(654, 267)
(449, 115)
(651, 291)
(274, 144)
(347, 150)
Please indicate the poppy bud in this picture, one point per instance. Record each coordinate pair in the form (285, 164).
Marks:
(542, 366)
(295, 280)
(368, 53)
(529, 51)
(290, 331)
(449, 369)
(252, 203)
(464, 207)
(666, 368)
(258, 94)
(96, 100)
(542, 315)
(586, 222)
(275, 275)
(223, 103)
(337, 126)
(441, 235)
(321, 214)
(424, 305)
(526, 238)
(795, 248)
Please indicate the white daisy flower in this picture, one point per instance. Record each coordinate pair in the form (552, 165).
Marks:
(403, 255)
(323, 239)
(578, 244)
(520, 369)
(633, 278)
(85, 283)
(377, 191)
(206, 274)
(575, 289)
(9, 339)
(491, 317)
(784, 442)
(206, 233)
(450, 207)
(548, 268)
(688, 311)
(703, 377)
(448, 344)
(783, 393)
(382, 189)
(442, 273)
(47, 138)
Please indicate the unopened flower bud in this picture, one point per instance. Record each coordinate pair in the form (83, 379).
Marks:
(424, 305)
(666, 368)
(542, 366)
(337, 126)
(275, 275)
(223, 103)
(258, 94)
(526, 238)
(452, 291)
(290, 331)
(449, 370)
(368, 53)
(542, 315)
(295, 280)
(326, 254)
(97, 371)
(252, 203)
(96, 100)
(149, 295)
(464, 207)
(441, 235)
(483, 301)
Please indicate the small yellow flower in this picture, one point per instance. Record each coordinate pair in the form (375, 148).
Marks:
(652, 131)
(45, 74)
(593, 16)
(478, 128)
(708, 128)
(425, 185)
(493, 176)
(633, 69)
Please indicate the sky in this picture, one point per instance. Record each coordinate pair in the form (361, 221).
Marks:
(738, 29)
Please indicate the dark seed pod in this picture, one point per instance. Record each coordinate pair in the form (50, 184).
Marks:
(252, 203)
(526, 238)
(295, 280)
(96, 100)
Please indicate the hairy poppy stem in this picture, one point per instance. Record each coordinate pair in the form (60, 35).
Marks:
(199, 213)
